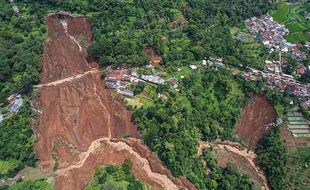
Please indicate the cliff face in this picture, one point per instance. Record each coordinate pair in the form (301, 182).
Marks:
(81, 125)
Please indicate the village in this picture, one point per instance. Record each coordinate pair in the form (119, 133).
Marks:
(272, 35)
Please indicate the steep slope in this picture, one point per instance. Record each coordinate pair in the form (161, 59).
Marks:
(257, 118)
(81, 125)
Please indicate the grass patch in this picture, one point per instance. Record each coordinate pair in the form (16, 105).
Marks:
(134, 102)
(281, 14)
(303, 37)
(184, 71)
(304, 154)
(296, 27)
(147, 102)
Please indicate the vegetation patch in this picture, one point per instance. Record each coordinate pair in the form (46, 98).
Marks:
(252, 50)
(114, 177)
(9, 168)
(16, 139)
(273, 159)
(292, 16)
(298, 167)
(225, 178)
(39, 184)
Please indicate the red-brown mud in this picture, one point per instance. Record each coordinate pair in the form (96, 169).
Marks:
(155, 59)
(257, 118)
(82, 126)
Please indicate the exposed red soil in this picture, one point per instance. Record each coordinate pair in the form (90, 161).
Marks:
(155, 59)
(77, 110)
(257, 118)
(115, 152)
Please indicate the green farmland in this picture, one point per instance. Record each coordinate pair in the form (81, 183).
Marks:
(291, 15)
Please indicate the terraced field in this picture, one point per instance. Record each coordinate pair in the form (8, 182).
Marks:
(291, 15)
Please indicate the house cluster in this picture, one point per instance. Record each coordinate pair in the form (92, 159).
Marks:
(121, 79)
(213, 61)
(15, 102)
(272, 35)
(273, 66)
(282, 82)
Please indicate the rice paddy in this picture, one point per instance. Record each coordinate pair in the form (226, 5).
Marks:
(292, 16)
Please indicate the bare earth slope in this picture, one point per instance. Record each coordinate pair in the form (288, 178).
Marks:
(257, 118)
(81, 125)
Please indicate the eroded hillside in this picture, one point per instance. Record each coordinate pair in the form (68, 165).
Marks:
(257, 118)
(81, 125)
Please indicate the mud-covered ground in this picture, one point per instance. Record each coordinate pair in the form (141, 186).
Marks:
(82, 126)
(257, 118)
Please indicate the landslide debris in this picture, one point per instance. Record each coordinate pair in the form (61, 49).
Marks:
(82, 126)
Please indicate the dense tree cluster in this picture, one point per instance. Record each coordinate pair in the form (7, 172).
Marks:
(16, 138)
(272, 157)
(21, 40)
(212, 104)
(181, 31)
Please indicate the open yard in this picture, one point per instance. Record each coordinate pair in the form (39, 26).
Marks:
(291, 15)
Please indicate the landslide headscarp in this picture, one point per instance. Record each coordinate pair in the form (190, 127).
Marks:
(81, 125)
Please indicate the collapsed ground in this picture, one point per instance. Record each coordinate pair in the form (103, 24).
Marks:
(81, 125)
(86, 123)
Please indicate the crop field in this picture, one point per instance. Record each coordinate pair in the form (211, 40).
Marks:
(299, 170)
(293, 19)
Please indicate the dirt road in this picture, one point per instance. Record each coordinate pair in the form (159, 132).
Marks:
(61, 81)
(82, 126)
